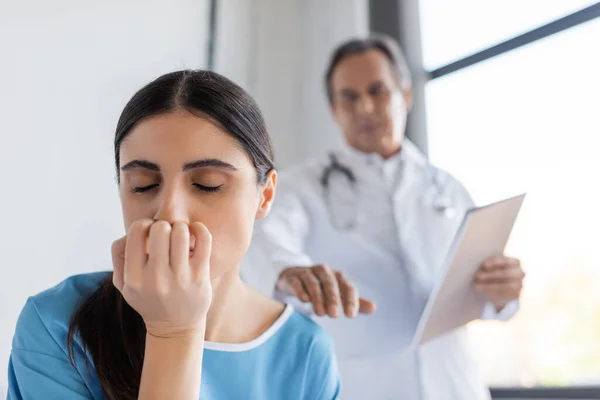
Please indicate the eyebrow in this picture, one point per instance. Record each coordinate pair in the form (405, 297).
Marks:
(209, 162)
(140, 164)
(347, 91)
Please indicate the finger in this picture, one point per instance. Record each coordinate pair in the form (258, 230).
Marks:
(499, 292)
(349, 295)
(501, 261)
(331, 290)
(500, 275)
(180, 249)
(136, 257)
(296, 288)
(118, 258)
(366, 306)
(159, 243)
(200, 259)
(313, 287)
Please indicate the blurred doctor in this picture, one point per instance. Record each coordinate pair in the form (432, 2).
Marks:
(359, 236)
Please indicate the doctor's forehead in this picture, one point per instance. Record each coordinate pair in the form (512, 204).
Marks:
(363, 69)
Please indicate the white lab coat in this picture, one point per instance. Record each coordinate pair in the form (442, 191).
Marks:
(393, 257)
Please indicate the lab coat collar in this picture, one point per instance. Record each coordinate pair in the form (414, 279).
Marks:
(409, 153)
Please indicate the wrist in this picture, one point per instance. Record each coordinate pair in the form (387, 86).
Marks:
(157, 331)
(499, 305)
(167, 347)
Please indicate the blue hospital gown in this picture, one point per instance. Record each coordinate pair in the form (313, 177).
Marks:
(293, 359)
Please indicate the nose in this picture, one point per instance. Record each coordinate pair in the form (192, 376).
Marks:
(365, 105)
(172, 205)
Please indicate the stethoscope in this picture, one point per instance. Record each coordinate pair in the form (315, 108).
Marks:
(442, 203)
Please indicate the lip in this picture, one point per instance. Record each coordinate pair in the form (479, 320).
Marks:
(368, 127)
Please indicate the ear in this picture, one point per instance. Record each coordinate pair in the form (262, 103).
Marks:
(408, 98)
(266, 195)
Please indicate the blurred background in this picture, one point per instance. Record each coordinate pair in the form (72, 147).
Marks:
(507, 98)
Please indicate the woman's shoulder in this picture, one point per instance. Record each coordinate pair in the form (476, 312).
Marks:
(302, 339)
(60, 301)
(306, 331)
(314, 348)
(52, 309)
(40, 363)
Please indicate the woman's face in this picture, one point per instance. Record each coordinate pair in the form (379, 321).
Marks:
(180, 167)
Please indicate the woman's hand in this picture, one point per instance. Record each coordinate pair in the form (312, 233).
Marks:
(163, 272)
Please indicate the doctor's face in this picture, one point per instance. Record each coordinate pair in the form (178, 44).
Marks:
(178, 167)
(368, 103)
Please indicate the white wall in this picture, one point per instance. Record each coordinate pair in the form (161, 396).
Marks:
(67, 68)
(278, 50)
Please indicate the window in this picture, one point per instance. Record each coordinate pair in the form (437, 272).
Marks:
(529, 120)
(453, 29)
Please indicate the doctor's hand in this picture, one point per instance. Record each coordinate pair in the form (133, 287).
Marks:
(326, 289)
(500, 280)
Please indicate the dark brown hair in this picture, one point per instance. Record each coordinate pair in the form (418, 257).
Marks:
(383, 43)
(111, 332)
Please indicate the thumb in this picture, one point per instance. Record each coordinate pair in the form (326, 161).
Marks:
(366, 306)
(118, 259)
(201, 239)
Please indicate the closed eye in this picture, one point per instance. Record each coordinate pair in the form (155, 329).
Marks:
(210, 189)
(142, 189)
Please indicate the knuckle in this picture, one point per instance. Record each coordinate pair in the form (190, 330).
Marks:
(313, 288)
(180, 228)
(311, 279)
(331, 289)
(321, 268)
(159, 287)
(140, 224)
(351, 291)
(115, 245)
(286, 273)
(161, 227)
(296, 286)
(302, 272)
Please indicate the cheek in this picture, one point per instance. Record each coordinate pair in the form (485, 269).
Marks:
(133, 210)
(231, 225)
(345, 118)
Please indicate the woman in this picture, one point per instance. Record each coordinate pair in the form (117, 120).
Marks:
(195, 168)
